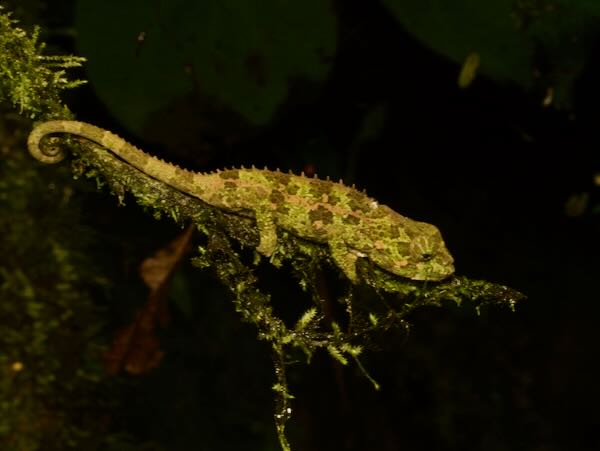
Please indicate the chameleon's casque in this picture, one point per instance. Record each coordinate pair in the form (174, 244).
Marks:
(352, 224)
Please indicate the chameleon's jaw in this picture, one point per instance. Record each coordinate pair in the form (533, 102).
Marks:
(438, 268)
(435, 270)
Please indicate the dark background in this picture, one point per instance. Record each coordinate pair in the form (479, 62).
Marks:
(489, 165)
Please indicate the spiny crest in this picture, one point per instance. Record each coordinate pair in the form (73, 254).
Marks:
(174, 166)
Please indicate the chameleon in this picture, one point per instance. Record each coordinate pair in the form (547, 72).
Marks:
(352, 224)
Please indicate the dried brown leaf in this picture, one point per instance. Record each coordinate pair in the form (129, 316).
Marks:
(136, 347)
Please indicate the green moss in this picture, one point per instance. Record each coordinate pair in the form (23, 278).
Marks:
(53, 389)
(30, 80)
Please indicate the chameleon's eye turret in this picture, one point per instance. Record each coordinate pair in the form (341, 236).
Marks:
(430, 260)
(423, 247)
(426, 256)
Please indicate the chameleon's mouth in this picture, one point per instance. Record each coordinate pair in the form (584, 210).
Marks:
(440, 268)
(426, 272)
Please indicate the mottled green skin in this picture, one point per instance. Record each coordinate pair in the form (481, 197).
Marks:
(352, 224)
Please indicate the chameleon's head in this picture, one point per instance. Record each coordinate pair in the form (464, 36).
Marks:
(428, 255)
(423, 257)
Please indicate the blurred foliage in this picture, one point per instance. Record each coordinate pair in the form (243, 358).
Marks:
(53, 391)
(228, 55)
(537, 44)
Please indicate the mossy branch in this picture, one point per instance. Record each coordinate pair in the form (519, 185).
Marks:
(30, 80)
(388, 301)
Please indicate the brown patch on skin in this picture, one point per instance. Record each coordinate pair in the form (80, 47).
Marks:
(284, 179)
(283, 209)
(351, 219)
(357, 202)
(333, 199)
(277, 197)
(277, 178)
(317, 189)
(292, 189)
(231, 174)
(230, 185)
(319, 230)
(320, 214)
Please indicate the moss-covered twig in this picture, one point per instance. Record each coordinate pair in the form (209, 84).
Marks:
(391, 298)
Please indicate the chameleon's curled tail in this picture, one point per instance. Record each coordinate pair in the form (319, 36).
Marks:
(47, 153)
(52, 153)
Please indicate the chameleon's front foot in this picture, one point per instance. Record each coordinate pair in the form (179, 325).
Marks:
(268, 233)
